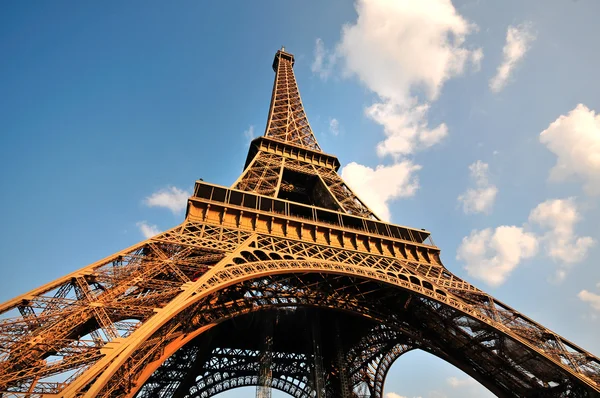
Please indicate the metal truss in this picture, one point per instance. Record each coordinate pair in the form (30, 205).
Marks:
(263, 176)
(272, 169)
(493, 350)
(224, 369)
(158, 318)
(287, 119)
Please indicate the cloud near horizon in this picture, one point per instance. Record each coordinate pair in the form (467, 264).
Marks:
(394, 395)
(455, 382)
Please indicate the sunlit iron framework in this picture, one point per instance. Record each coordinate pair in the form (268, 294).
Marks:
(286, 280)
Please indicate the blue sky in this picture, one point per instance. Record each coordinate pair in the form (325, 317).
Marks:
(109, 112)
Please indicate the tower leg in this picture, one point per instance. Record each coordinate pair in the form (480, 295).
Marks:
(318, 374)
(263, 390)
(342, 369)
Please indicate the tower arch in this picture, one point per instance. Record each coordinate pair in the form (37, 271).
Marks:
(289, 233)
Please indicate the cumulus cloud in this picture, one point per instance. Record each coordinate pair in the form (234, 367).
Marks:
(334, 126)
(172, 198)
(403, 51)
(518, 42)
(324, 60)
(400, 49)
(148, 230)
(456, 382)
(491, 255)
(592, 298)
(481, 198)
(376, 187)
(575, 140)
(406, 128)
(558, 217)
(397, 46)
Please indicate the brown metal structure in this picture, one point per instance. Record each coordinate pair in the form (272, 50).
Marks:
(286, 280)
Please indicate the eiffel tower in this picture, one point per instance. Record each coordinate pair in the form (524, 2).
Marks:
(286, 280)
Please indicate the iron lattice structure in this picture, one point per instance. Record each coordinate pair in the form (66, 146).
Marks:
(286, 280)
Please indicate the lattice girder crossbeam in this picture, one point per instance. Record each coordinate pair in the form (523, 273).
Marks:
(465, 340)
(264, 175)
(244, 365)
(287, 120)
(107, 328)
(245, 255)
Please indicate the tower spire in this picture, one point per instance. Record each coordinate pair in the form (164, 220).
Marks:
(287, 120)
(286, 280)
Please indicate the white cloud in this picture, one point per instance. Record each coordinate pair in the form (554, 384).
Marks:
(592, 298)
(481, 198)
(476, 58)
(403, 51)
(558, 217)
(334, 126)
(456, 382)
(172, 198)
(406, 129)
(148, 230)
(323, 62)
(397, 46)
(399, 49)
(491, 255)
(480, 172)
(394, 395)
(436, 394)
(376, 187)
(518, 42)
(249, 133)
(575, 140)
